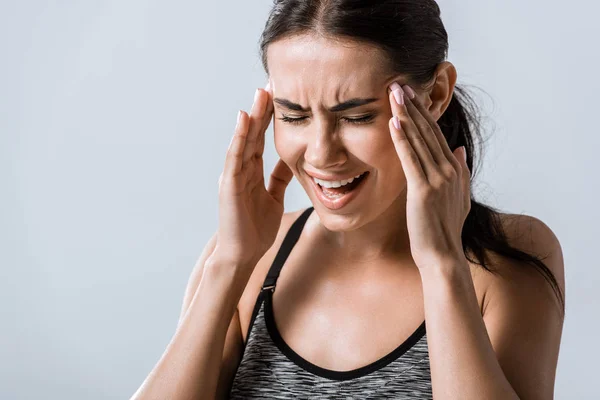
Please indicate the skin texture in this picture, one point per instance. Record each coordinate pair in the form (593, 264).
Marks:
(374, 225)
(473, 354)
(366, 276)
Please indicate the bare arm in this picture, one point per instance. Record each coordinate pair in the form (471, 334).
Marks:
(196, 276)
(190, 366)
(234, 343)
(512, 351)
(208, 337)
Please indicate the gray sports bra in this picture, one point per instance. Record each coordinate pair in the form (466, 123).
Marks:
(270, 369)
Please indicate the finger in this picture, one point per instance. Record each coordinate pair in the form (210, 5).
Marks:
(279, 180)
(235, 151)
(441, 142)
(465, 174)
(255, 169)
(411, 131)
(256, 121)
(268, 116)
(417, 112)
(409, 159)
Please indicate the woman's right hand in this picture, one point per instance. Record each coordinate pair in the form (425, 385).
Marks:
(249, 213)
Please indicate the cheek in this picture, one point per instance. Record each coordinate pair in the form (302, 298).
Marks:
(379, 152)
(375, 147)
(287, 147)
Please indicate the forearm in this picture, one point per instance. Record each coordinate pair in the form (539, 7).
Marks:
(463, 362)
(189, 368)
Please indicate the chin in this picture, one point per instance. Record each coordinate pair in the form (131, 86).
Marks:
(338, 222)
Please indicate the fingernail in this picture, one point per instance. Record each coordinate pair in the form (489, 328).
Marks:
(268, 85)
(464, 150)
(398, 93)
(256, 95)
(239, 116)
(409, 91)
(396, 122)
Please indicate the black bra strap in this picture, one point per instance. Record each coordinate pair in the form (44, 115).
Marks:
(288, 243)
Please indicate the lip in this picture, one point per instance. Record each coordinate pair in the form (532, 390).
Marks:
(341, 201)
(332, 177)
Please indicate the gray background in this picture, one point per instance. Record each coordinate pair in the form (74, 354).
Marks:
(114, 121)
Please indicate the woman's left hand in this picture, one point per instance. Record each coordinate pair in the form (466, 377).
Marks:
(438, 182)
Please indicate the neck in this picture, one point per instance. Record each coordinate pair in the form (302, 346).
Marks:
(384, 238)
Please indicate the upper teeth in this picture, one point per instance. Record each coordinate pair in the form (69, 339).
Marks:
(335, 184)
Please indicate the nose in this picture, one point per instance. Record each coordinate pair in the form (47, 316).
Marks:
(324, 149)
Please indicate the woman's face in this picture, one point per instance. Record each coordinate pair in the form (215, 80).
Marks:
(309, 77)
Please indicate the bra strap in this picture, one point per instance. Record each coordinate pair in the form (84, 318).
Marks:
(288, 243)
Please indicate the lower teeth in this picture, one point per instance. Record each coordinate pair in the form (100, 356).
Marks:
(335, 193)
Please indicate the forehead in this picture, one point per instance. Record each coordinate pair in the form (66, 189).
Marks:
(324, 67)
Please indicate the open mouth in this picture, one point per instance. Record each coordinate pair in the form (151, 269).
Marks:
(334, 193)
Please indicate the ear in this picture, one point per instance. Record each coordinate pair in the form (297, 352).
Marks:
(440, 93)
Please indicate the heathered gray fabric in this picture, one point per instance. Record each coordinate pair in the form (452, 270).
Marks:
(265, 372)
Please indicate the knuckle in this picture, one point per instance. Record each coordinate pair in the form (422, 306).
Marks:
(401, 137)
(449, 172)
(440, 183)
(234, 155)
(426, 192)
(225, 180)
(413, 158)
(424, 128)
(418, 139)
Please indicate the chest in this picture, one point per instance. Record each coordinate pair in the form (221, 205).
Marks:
(343, 329)
(342, 325)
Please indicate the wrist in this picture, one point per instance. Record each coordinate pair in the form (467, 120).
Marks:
(454, 270)
(232, 274)
(224, 258)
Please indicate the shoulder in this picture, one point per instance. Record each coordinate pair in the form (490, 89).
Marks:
(248, 298)
(531, 235)
(534, 237)
(522, 313)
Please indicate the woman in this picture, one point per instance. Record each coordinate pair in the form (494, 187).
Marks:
(399, 285)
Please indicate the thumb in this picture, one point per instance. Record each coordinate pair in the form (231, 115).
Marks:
(279, 180)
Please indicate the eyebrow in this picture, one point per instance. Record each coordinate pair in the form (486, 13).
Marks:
(346, 105)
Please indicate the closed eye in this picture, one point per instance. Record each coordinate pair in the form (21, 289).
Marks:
(360, 120)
